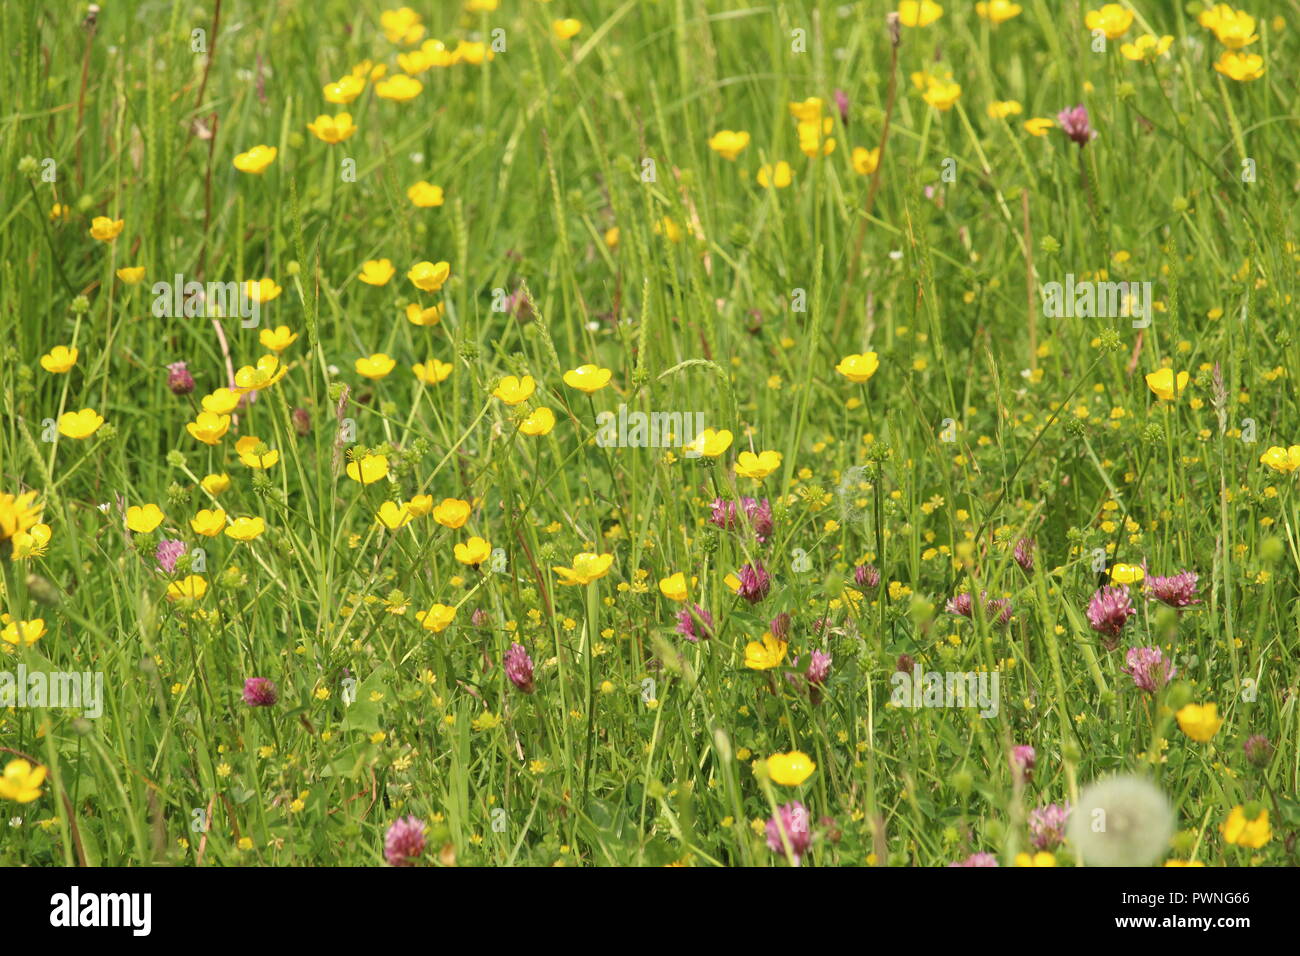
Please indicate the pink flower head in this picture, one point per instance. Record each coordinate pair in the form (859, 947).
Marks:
(998, 610)
(1024, 554)
(867, 575)
(1177, 590)
(977, 859)
(780, 626)
(519, 668)
(168, 550)
(1074, 123)
(1047, 826)
(755, 582)
(793, 820)
(260, 692)
(1149, 668)
(1023, 759)
(819, 668)
(694, 622)
(404, 841)
(726, 515)
(842, 102)
(1108, 612)
(179, 379)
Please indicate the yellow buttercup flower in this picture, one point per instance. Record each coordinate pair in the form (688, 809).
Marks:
(814, 137)
(345, 90)
(59, 359)
(32, 543)
(540, 422)
(1126, 574)
(749, 465)
(105, 229)
(790, 770)
(332, 129)
(865, 161)
(1199, 721)
(437, 618)
(942, 95)
(728, 143)
(24, 633)
(512, 390)
(775, 177)
(208, 427)
(262, 290)
(369, 469)
(1165, 385)
(668, 228)
(221, 402)
(375, 366)
(393, 515)
(131, 275)
(254, 453)
(18, 513)
(245, 529)
(399, 88)
(208, 523)
(472, 552)
(1233, 28)
(417, 315)
(587, 378)
(567, 28)
(425, 195)
(256, 160)
(1039, 125)
(587, 567)
(377, 272)
(1042, 858)
(807, 111)
(215, 484)
(918, 13)
(452, 513)
(21, 781)
(1146, 47)
(858, 368)
(997, 11)
(432, 372)
(673, 587)
(1253, 833)
(1284, 460)
(473, 52)
(80, 424)
(1001, 109)
(1112, 19)
(765, 653)
(709, 443)
(420, 505)
(277, 339)
(266, 373)
(1242, 67)
(402, 26)
(429, 276)
(192, 586)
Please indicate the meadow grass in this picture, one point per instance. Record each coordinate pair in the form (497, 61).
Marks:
(586, 220)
